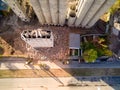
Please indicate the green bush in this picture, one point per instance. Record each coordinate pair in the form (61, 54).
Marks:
(115, 7)
(108, 52)
(100, 52)
(90, 55)
(94, 49)
(87, 46)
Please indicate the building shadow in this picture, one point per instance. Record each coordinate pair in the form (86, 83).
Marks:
(9, 63)
(46, 69)
(102, 77)
(34, 70)
(100, 26)
(11, 67)
(1, 51)
(111, 82)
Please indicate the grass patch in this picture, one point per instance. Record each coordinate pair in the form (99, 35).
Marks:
(32, 73)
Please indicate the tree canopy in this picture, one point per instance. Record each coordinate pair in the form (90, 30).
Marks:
(115, 6)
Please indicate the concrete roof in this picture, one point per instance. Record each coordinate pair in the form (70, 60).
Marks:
(74, 40)
(40, 41)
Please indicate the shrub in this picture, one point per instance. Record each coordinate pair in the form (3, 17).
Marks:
(108, 52)
(90, 55)
(94, 49)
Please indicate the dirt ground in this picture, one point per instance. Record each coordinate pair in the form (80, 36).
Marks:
(12, 44)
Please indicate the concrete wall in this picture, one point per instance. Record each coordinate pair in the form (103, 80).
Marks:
(54, 11)
(17, 9)
(38, 11)
(100, 12)
(71, 21)
(62, 11)
(71, 15)
(82, 10)
(96, 5)
(46, 10)
(80, 2)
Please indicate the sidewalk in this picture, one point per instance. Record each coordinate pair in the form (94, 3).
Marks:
(20, 63)
(68, 83)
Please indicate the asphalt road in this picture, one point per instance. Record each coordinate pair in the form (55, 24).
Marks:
(61, 83)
